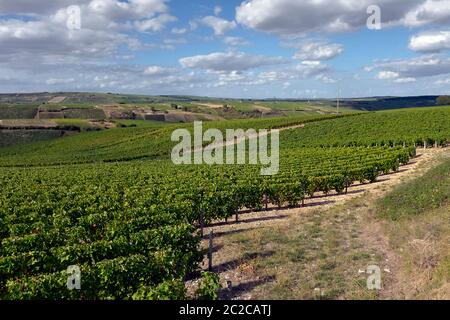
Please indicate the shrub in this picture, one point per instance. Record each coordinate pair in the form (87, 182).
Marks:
(443, 101)
(168, 290)
(209, 287)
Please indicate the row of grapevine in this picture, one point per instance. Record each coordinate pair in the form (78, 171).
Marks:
(125, 144)
(131, 226)
(410, 127)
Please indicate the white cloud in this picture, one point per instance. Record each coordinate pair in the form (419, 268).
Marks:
(154, 24)
(419, 67)
(179, 31)
(292, 17)
(276, 75)
(429, 12)
(158, 71)
(443, 82)
(104, 27)
(303, 70)
(219, 25)
(130, 10)
(318, 51)
(231, 76)
(231, 61)
(101, 77)
(72, 59)
(169, 41)
(54, 81)
(430, 41)
(387, 75)
(325, 79)
(308, 69)
(235, 41)
(303, 16)
(217, 10)
(46, 41)
(405, 80)
(32, 7)
(193, 25)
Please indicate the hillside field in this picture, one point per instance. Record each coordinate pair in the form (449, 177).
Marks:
(112, 203)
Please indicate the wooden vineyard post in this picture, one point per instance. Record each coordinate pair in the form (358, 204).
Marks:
(202, 222)
(236, 211)
(210, 250)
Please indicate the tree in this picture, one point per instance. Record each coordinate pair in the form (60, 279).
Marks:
(443, 101)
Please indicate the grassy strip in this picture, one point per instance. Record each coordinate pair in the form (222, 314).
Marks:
(418, 229)
(431, 191)
(311, 255)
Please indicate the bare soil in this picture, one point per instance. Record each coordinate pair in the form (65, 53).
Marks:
(211, 105)
(57, 100)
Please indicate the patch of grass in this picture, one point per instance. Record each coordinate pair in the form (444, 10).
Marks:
(310, 257)
(428, 192)
(298, 255)
(418, 227)
(422, 243)
(360, 256)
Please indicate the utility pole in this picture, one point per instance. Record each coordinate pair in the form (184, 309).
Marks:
(338, 100)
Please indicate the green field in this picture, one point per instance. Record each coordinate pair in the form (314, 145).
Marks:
(122, 144)
(425, 194)
(417, 222)
(88, 106)
(18, 111)
(410, 126)
(13, 137)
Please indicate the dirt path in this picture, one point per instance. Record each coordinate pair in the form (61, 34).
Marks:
(262, 109)
(227, 258)
(56, 100)
(241, 139)
(211, 105)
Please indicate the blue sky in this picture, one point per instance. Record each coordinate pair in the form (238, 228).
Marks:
(234, 48)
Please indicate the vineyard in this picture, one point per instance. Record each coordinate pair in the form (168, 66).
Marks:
(18, 111)
(152, 142)
(56, 217)
(133, 226)
(414, 127)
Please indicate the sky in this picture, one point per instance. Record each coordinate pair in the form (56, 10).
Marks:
(300, 49)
